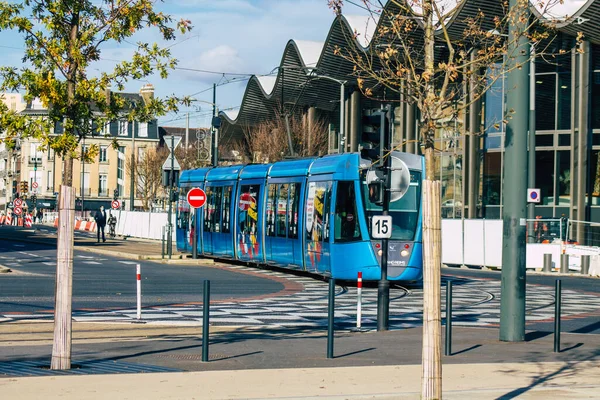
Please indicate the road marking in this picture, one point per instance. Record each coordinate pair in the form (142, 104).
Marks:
(19, 245)
(128, 262)
(91, 262)
(50, 263)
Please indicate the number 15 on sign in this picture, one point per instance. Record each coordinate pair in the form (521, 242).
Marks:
(381, 226)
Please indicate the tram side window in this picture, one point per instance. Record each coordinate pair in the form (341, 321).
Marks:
(282, 203)
(216, 216)
(271, 207)
(293, 205)
(317, 215)
(208, 209)
(347, 228)
(226, 209)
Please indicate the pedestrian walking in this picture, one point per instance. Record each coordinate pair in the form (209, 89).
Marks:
(100, 219)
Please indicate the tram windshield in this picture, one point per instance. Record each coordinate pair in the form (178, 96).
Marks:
(404, 212)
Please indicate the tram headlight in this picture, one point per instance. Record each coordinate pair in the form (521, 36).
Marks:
(380, 253)
(404, 253)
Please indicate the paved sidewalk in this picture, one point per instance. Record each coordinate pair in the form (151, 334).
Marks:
(264, 364)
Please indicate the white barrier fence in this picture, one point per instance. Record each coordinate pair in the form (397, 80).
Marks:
(140, 224)
(478, 242)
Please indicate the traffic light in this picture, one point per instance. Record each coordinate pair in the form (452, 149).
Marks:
(175, 196)
(376, 189)
(115, 194)
(24, 187)
(375, 131)
(34, 199)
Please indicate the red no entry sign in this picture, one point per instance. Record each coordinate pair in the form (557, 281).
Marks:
(196, 197)
(17, 211)
(18, 202)
(115, 204)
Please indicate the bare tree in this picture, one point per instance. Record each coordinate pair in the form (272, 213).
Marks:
(423, 54)
(148, 174)
(268, 140)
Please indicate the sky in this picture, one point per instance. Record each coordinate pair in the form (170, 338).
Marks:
(231, 40)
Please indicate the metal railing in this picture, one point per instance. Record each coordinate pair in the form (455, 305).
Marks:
(546, 230)
(584, 233)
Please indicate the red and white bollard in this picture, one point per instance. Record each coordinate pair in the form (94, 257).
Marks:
(138, 269)
(359, 300)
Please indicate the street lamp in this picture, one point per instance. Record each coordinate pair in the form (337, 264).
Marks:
(313, 75)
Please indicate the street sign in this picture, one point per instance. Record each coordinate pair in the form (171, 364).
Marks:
(534, 196)
(17, 211)
(381, 227)
(34, 185)
(167, 164)
(115, 204)
(172, 140)
(18, 202)
(196, 197)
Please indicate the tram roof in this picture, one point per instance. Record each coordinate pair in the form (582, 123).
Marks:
(289, 168)
(224, 173)
(193, 175)
(342, 166)
(254, 171)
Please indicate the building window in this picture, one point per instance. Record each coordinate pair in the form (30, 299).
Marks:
(50, 181)
(595, 100)
(103, 150)
(103, 185)
(123, 128)
(544, 175)
(143, 129)
(545, 102)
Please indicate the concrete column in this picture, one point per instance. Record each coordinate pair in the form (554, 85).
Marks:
(472, 143)
(399, 119)
(411, 145)
(582, 155)
(355, 115)
(348, 129)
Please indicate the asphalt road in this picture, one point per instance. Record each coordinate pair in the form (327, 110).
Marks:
(103, 282)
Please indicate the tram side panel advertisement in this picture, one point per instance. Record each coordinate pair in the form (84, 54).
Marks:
(248, 243)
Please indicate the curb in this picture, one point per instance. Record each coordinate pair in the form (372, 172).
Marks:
(4, 270)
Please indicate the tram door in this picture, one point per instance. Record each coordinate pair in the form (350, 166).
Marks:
(318, 227)
(248, 233)
(184, 222)
(209, 220)
(217, 227)
(282, 240)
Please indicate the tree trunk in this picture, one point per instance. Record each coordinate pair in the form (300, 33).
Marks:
(432, 339)
(61, 347)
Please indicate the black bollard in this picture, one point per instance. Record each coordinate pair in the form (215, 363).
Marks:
(162, 252)
(195, 244)
(448, 350)
(330, 318)
(557, 304)
(205, 320)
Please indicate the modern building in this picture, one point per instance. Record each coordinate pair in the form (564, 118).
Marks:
(566, 87)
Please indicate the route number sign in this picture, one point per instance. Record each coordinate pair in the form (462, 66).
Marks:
(115, 204)
(196, 197)
(381, 226)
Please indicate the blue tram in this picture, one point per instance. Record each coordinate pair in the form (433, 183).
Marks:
(308, 214)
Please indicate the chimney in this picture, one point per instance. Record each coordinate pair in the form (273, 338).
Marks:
(147, 93)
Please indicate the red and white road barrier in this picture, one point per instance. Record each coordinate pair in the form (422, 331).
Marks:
(28, 221)
(2, 219)
(56, 222)
(9, 220)
(138, 270)
(359, 300)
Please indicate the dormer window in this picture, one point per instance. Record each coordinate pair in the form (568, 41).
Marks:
(123, 127)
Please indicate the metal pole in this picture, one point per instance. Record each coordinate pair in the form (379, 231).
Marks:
(330, 318)
(342, 118)
(132, 183)
(195, 235)
(547, 263)
(557, 304)
(359, 301)
(162, 251)
(138, 273)
(585, 265)
(564, 263)
(531, 152)
(171, 178)
(448, 350)
(214, 130)
(205, 320)
(512, 303)
(383, 286)
(82, 175)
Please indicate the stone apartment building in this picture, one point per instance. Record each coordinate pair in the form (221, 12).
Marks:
(96, 182)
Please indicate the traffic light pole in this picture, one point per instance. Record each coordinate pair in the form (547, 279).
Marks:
(383, 287)
(171, 177)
